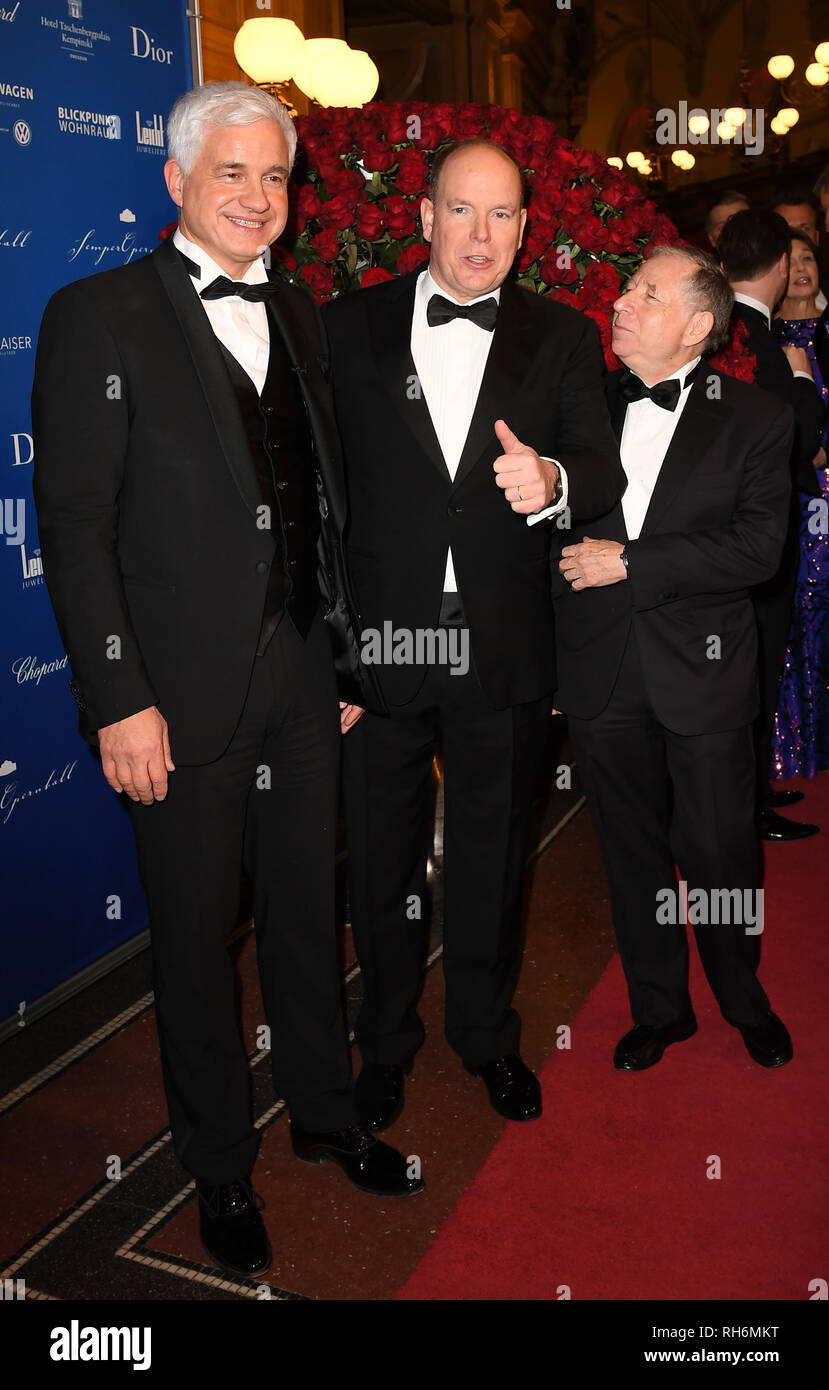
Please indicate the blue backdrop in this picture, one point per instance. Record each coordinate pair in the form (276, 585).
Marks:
(85, 88)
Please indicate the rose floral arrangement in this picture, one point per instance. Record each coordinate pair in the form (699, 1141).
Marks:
(734, 357)
(360, 176)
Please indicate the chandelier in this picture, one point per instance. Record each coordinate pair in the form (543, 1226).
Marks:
(274, 52)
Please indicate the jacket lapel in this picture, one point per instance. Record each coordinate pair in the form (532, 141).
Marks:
(512, 348)
(210, 369)
(286, 319)
(696, 431)
(616, 404)
(390, 324)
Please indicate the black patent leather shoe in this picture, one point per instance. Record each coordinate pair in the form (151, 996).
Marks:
(779, 798)
(767, 1042)
(379, 1095)
(774, 827)
(643, 1046)
(231, 1229)
(513, 1089)
(367, 1162)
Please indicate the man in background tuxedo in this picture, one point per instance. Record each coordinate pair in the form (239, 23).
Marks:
(754, 253)
(657, 657)
(729, 202)
(183, 424)
(471, 412)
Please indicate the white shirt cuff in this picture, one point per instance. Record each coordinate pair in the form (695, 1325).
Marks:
(555, 506)
(807, 376)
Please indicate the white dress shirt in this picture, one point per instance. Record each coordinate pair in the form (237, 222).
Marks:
(240, 325)
(450, 360)
(646, 435)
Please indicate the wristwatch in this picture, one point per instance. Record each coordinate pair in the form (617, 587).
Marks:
(625, 558)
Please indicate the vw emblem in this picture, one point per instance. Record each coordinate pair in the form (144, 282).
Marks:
(22, 133)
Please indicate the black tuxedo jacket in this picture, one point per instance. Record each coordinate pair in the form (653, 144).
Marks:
(774, 375)
(544, 376)
(715, 527)
(147, 500)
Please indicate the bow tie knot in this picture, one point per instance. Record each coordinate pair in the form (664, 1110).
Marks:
(441, 310)
(663, 393)
(223, 288)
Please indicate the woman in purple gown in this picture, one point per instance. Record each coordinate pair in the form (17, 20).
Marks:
(800, 746)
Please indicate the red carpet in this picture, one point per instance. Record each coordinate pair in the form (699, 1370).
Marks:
(607, 1195)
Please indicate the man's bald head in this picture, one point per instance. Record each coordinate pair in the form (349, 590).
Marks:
(449, 152)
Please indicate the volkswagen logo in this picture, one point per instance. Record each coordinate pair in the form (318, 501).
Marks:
(22, 133)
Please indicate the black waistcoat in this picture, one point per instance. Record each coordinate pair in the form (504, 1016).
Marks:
(277, 427)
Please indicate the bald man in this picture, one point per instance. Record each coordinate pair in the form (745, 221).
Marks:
(472, 417)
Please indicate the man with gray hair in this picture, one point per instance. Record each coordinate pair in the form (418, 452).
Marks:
(657, 656)
(191, 506)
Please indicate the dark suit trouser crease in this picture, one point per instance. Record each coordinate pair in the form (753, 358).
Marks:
(191, 848)
(490, 761)
(660, 799)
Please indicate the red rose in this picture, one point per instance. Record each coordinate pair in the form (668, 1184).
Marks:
(411, 257)
(377, 156)
(326, 245)
(394, 125)
(564, 297)
(618, 239)
(468, 125)
(601, 278)
(432, 133)
(375, 275)
(401, 217)
(587, 231)
(616, 191)
(558, 268)
(319, 278)
(281, 258)
(412, 172)
(544, 202)
(346, 182)
(371, 221)
(308, 204)
(445, 115)
(535, 245)
(734, 358)
(337, 213)
(563, 165)
(167, 231)
(577, 200)
(327, 161)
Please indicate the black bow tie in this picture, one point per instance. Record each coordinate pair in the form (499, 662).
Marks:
(222, 287)
(664, 393)
(440, 310)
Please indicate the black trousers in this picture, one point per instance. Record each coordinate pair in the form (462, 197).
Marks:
(660, 799)
(270, 799)
(490, 761)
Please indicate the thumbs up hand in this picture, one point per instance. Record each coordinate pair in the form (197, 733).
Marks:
(529, 482)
